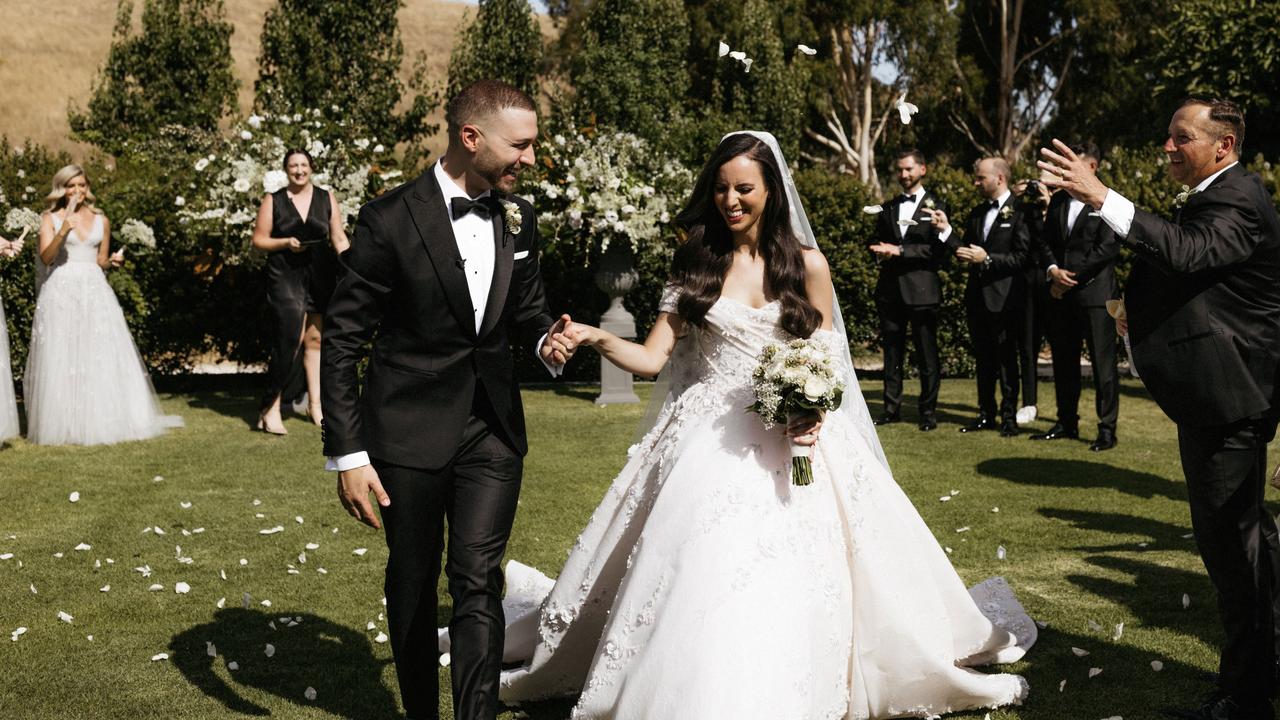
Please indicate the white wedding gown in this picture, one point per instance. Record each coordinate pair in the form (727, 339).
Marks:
(8, 404)
(85, 382)
(706, 585)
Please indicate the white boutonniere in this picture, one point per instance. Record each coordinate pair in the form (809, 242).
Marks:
(512, 217)
(928, 203)
(1181, 198)
(1006, 212)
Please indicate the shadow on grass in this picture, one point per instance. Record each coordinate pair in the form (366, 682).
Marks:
(240, 404)
(911, 403)
(1064, 473)
(1157, 534)
(576, 391)
(334, 659)
(1153, 593)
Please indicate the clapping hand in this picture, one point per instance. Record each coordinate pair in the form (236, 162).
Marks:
(939, 219)
(884, 251)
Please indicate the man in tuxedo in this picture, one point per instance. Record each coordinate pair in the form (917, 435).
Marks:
(909, 291)
(994, 244)
(1031, 204)
(1203, 306)
(442, 277)
(1078, 256)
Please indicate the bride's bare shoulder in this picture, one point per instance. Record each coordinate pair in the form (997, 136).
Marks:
(815, 264)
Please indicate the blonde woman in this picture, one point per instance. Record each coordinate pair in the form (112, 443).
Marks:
(85, 382)
(8, 404)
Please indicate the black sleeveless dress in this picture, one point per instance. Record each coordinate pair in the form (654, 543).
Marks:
(297, 284)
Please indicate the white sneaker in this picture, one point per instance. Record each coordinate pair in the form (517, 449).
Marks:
(1026, 414)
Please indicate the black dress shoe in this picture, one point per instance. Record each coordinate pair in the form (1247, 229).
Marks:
(887, 419)
(1058, 432)
(983, 422)
(1009, 428)
(927, 424)
(1106, 440)
(1221, 706)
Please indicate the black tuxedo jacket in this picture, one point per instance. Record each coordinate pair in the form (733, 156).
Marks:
(405, 289)
(1089, 250)
(1204, 303)
(995, 285)
(912, 277)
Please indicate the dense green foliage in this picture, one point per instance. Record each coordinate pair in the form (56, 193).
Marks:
(503, 42)
(176, 71)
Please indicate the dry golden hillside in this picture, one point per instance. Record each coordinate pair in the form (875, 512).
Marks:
(51, 52)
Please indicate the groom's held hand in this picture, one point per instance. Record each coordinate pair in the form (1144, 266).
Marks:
(354, 486)
(557, 349)
(1065, 170)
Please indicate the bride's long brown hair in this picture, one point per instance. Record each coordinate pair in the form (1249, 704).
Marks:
(704, 258)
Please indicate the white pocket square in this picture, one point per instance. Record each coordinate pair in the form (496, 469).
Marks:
(521, 255)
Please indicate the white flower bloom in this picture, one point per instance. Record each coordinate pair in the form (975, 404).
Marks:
(620, 227)
(628, 209)
(246, 135)
(362, 143)
(241, 185)
(255, 122)
(614, 183)
(273, 180)
(179, 201)
(611, 216)
(297, 117)
(201, 164)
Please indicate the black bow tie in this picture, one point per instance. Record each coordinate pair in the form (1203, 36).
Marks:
(907, 198)
(990, 205)
(483, 206)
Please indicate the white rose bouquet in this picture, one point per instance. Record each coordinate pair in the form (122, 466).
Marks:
(798, 378)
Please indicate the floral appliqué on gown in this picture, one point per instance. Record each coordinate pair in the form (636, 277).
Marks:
(706, 585)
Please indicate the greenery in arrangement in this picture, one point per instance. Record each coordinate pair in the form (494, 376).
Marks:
(175, 71)
(503, 42)
(1090, 545)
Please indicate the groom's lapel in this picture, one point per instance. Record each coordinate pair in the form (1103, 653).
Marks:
(503, 260)
(426, 207)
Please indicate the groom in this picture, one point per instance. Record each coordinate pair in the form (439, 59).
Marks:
(441, 273)
(1203, 306)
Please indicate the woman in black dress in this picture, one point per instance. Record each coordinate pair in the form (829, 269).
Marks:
(301, 226)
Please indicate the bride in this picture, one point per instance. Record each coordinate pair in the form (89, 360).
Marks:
(85, 382)
(706, 585)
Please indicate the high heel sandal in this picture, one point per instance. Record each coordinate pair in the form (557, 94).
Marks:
(262, 425)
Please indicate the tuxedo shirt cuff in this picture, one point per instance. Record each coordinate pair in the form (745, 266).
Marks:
(343, 463)
(1117, 212)
(942, 236)
(1048, 272)
(555, 370)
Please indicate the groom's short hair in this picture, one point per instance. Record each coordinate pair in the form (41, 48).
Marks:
(1227, 116)
(481, 99)
(913, 153)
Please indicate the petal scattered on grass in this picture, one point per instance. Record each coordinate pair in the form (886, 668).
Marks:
(155, 587)
(1119, 631)
(360, 551)
(313, 546)
(17, 633)
(269, 650)
(272, 530)
(74, 496)
(1095, 672)
(1062, 686)
(64, 617)
(222, 602)
(1079, 652)
(445, 660)
(1186, 601)
(185, 505)
(105, 588)
(233, 665)
(1157, 665)
(309, 693)
(181, 588)
(1000, 552)
(381, 638)
(159, 656)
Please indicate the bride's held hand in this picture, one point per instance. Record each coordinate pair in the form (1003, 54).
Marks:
(804, 429)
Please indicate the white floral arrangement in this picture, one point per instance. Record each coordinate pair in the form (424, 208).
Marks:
(599, 187)
(798, 378)
(22, 219)
(137, 233)
(227, 184)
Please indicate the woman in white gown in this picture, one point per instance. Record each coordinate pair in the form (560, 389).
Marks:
(85, 382)
(8, 404)
(706, 585)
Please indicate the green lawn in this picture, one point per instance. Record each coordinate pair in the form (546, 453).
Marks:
(1093, 540)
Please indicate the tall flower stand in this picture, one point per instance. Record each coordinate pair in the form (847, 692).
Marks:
(616, 276)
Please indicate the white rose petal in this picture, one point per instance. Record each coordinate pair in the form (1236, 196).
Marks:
(75, 496)
(155, 587)
(806, 49)
(233, 665)
(1000, 552)
(1095, 672)
(1079, 652)
(184, 505)
(182, 588)
(64, 617)
(265, 603)
(222, 602)
(313, 546)
(272, 531)
(445, 659)
(381, 638)
(872, 209)
(1062, 686)
(159, 656)
(1186, 601)
(360, 551)
(309, 693)
(269, 650)
(1119, 631)
(297, 519)
(105, 588)
(17, 633)
(1157, 665)
(723, 49)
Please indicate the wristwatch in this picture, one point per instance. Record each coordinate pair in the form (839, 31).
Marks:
(986, 261)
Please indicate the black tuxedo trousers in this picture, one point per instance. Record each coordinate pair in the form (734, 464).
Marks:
(473, 500)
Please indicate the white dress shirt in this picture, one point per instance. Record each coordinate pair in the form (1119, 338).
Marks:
(1117, 211)
(987, 221)
(907, 208)
(474, 236)
(1074, 207)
